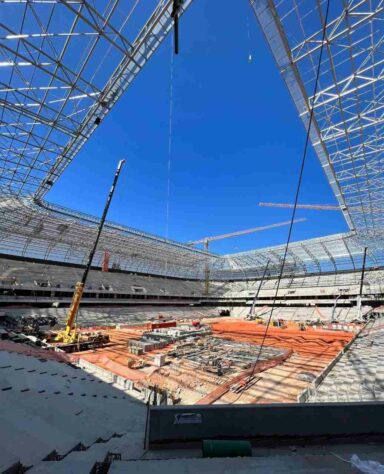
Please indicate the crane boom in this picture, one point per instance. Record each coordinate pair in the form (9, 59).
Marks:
(320, 207)
(67, 335)
(244, 232)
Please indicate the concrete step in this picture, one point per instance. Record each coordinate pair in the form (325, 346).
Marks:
(73, 466)
(7, 459)
(130, 446)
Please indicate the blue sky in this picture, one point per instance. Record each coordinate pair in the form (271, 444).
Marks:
(237, 140)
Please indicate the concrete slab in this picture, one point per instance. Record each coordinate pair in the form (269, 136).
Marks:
(275, 465)
(78, 466)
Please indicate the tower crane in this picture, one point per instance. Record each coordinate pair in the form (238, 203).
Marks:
(207, 240)
(319, 207)
(322, 207)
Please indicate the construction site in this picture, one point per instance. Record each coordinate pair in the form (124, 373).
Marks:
(175, 359)
(208, 361)
(252, 340)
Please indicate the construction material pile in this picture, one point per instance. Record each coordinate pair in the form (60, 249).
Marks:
(29, 324)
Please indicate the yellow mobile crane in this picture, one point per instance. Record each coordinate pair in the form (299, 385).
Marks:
(69, 335)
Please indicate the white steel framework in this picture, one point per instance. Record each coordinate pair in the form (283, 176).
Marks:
(65, 63)
(43, 231)
(347, 130)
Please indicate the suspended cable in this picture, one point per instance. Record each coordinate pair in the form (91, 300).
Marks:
(169, 142)
(249, 39)
(298, 187)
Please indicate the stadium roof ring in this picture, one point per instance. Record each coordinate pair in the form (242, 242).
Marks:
(53, 96)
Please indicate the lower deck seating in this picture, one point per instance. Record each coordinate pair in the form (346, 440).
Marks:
(111, 316)
(51, 410)
(359, 374)
(303, 314)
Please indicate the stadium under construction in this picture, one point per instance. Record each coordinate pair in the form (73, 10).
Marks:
(125, 351)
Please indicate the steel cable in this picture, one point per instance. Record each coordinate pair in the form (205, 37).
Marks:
(298, 187)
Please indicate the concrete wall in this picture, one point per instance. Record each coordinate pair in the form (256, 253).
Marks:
(105, 375)
(306, 421)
